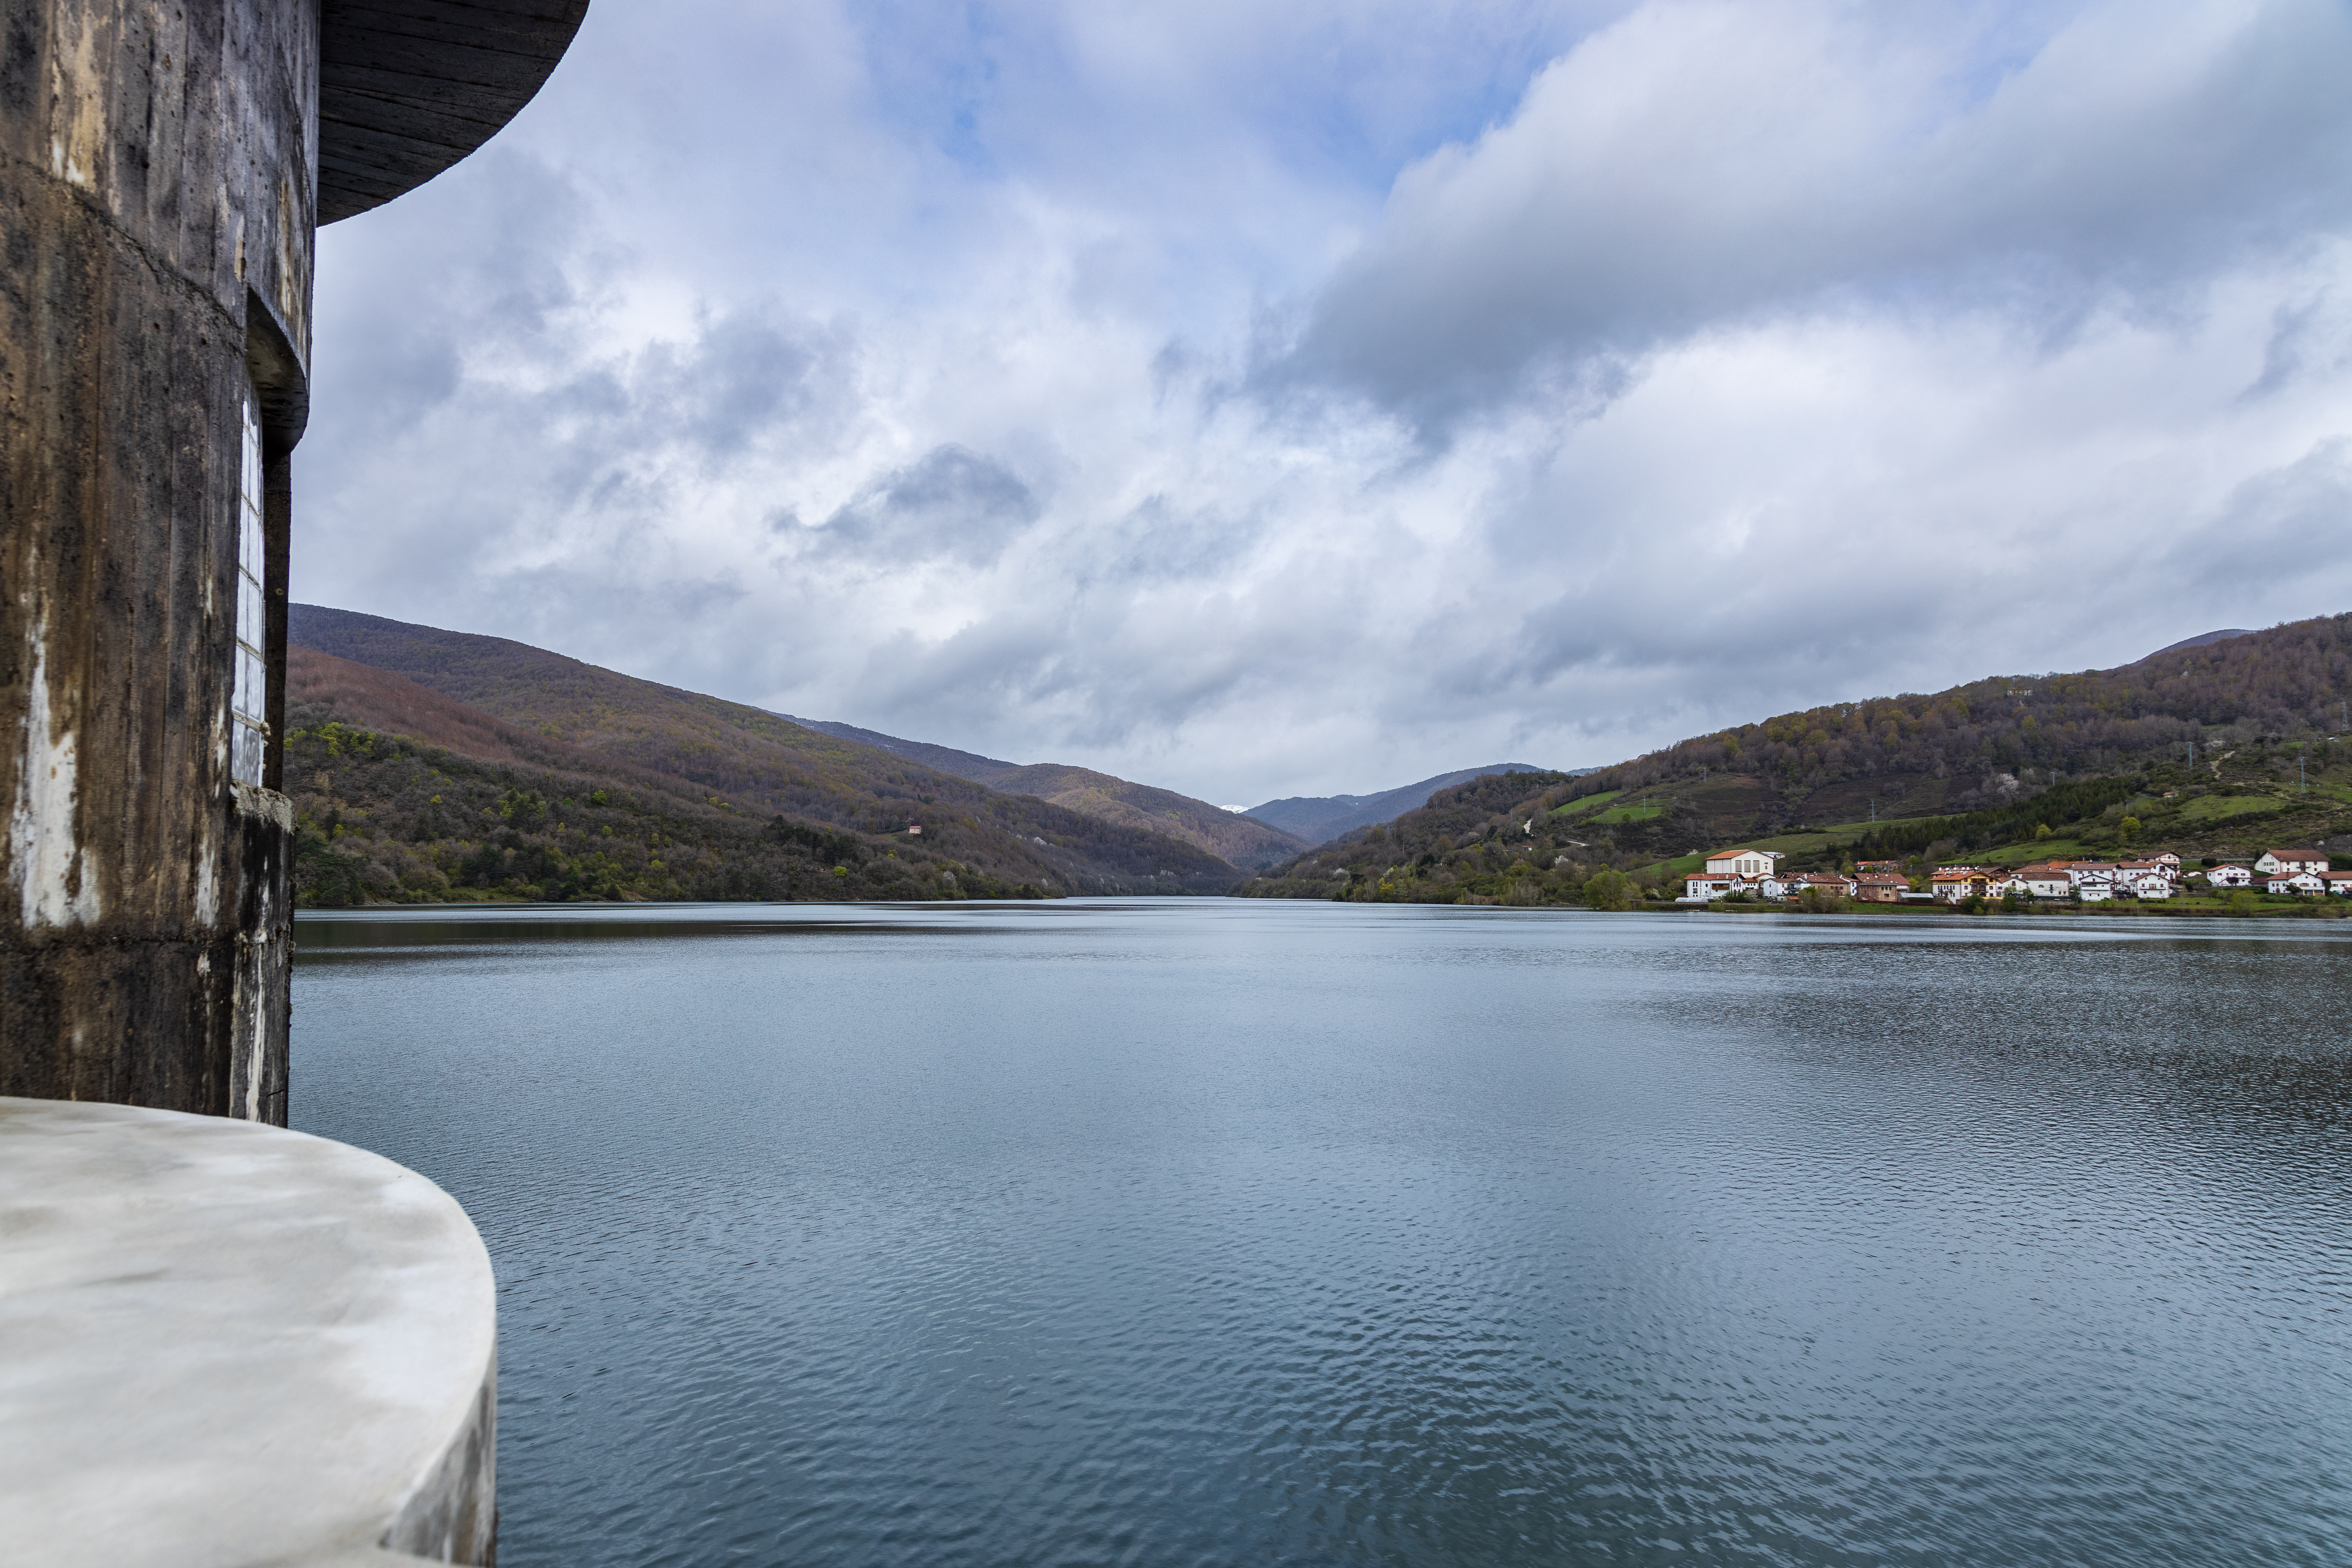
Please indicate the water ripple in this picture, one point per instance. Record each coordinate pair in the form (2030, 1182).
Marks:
(1177, 1233)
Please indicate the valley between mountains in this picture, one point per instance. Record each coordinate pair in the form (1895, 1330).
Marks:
(428, 766)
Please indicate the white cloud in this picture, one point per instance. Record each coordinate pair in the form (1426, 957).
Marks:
(1075, 387)
(1704, 162)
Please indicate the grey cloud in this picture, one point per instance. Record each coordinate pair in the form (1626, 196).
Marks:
(557, 453)
(2281, 543)
(1700, 163)
(746, 378)
(1827, 352)
(950, 503)
(409, 294)
(1164, 541)
(2309, 340)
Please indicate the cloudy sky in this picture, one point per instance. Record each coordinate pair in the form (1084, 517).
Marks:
(1302, 398)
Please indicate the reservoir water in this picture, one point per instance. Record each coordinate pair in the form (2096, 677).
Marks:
(1223, 1232)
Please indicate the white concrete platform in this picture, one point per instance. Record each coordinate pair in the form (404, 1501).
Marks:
(226, 1345)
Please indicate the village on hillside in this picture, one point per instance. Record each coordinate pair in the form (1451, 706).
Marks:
(1753, 876)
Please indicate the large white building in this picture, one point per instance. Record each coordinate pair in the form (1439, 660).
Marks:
(1744, 862)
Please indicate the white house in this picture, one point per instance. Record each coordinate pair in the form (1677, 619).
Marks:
(1711, 884)
(2045, 881)
(2275, 861)
(2148, 884)
(1950, 884)
(2304, 883)
(1744, 862)
(2339, 882)
(2094, 884)
(2141, 868)
(2229, 877)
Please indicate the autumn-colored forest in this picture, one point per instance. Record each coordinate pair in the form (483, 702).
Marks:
(1963, 747)
(402, 794)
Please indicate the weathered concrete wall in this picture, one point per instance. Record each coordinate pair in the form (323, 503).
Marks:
(156, 224)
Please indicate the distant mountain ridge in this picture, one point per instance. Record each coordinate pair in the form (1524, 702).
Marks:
(2206, 640)
(946, 759)
(1250, 845)
(1318, 819)
(508, 702)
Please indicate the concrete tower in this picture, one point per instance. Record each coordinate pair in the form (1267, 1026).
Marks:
(164, 168)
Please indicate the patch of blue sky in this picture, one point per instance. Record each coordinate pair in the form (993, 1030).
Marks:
(1343, 96)
(2007, 38)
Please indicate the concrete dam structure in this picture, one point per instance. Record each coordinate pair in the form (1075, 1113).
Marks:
(163, 170)
(166, 169)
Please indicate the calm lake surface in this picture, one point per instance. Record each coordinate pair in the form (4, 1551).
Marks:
(1208, 1232)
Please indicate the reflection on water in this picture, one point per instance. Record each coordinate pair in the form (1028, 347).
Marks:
(1223, 1232)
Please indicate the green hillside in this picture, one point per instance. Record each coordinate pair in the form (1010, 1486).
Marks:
(2093, 765)
(1983, 743)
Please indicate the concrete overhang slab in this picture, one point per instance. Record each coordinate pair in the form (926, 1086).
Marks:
(408, 88)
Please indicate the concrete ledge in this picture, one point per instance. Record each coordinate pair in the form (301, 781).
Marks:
(231, 1345)
(407, 87)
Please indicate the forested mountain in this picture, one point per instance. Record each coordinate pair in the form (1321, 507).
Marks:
(946, 759)
(1981, 743)
(2202, 639)
(385, 816)
(1528, 838)
(2094, 764)
(696, 772)
(1316, 819)
(1244, 842)
(1493, 838)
